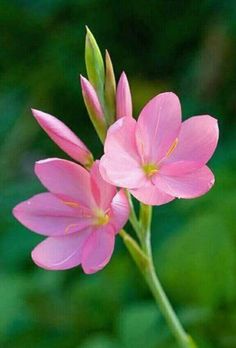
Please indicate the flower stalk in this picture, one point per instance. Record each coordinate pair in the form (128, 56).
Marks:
(149, 274)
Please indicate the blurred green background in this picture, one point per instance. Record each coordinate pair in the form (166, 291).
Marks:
(185, 47)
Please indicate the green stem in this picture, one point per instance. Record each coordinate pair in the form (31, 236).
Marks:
(149, 273)
(133, 218)
(152, 280)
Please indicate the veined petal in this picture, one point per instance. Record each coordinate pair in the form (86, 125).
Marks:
(178, 168)
(103, 192)
(197, 140)
(121, 163)
(120, 210)
(60, 253)
(67, 180)
(63, 137)
(123, 98)
(98, 249)
(49, 216)
(186, 186)
(151, 195)
(158, 126)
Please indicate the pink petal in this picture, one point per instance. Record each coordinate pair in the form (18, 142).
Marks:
(187, 186)
(197, 140)
(120, 210)
(121, 163)
(178, 168)
(158, 126)
(151, 195)
(68, 180)
(47, 215)
(59, 253)
(123, 98)
(103, 192)
(63, 137)
(98, 249)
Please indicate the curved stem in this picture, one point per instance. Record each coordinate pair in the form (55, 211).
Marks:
(149, 273)
(184, 340)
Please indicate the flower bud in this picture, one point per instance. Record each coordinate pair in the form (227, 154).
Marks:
(123, 98)
(110, 91)
(94, 64)
(64, 137)
(94, 107)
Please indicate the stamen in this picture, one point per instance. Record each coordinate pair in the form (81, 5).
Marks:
(71, 204)
(173, 146)
(69, 227)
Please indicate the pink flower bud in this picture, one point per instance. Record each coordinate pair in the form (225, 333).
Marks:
(123, 98)
(64, 137)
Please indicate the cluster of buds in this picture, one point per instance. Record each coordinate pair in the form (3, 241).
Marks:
(104, 103)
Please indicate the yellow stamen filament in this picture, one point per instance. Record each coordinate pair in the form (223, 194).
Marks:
(173, 146)
(72, 204)
(69, 227)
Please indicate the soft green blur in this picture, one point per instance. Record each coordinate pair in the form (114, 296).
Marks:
(183, 46)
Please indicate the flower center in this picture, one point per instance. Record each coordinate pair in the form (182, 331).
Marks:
(150, 169)
(101, 218)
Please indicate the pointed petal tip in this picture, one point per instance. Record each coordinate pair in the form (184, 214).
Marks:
(123, 78)
(35, 112)
(15, 211)
(82, 78)
(85, 83)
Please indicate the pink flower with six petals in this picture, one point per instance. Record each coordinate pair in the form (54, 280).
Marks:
(159, 158)
(81, 214)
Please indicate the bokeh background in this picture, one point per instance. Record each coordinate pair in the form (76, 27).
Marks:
(184, 46)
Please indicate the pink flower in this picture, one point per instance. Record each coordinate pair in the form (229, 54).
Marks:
(64, 137)
(81, 214)
(159, 158)
(123, 98)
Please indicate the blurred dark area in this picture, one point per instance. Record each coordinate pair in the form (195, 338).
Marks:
(164, 45)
